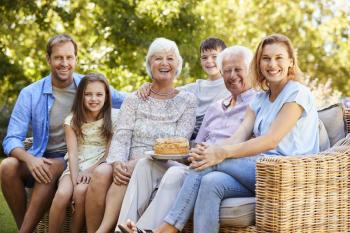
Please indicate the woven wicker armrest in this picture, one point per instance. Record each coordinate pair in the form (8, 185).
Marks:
(305, 193)
(346, 112)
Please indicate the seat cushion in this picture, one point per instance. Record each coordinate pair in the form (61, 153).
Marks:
(324, 139)
(333, 120)
(237, 212)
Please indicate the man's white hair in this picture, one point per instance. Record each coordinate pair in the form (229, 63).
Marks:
(163, 45)
(234, 51)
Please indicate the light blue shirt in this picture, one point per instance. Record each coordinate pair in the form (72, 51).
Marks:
(207, 92)
(304, 136)
(32, 109)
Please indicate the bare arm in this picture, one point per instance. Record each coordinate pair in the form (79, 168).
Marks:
(286, 119)
(284, 122)
(244, 131)
(72, 149)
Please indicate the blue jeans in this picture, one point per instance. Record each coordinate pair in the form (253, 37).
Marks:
(204, 191)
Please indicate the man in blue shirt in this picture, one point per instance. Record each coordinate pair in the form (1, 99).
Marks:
(41, 106)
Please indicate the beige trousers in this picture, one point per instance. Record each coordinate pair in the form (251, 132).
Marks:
(151, 192)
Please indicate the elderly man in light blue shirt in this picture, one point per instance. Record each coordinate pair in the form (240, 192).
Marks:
(41, 106)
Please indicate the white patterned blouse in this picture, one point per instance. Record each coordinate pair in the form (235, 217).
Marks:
(140, 123)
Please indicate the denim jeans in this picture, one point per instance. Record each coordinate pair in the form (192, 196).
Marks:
(204, 191)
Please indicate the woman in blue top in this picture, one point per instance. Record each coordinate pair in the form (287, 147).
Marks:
(284, 121)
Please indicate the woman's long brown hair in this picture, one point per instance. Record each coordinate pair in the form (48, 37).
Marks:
(79, 111)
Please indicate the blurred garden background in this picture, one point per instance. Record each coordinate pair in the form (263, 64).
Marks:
(113, 37)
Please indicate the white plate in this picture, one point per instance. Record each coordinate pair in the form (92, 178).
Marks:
(166, 157)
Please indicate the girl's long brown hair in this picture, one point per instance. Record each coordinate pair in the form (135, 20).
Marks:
(79, 111)
(258, 79)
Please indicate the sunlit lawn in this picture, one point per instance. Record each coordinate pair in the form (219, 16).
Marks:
(7, 223)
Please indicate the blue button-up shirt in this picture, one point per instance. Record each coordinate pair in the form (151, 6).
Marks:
(32, 109)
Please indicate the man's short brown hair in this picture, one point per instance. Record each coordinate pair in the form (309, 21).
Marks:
(60, 38)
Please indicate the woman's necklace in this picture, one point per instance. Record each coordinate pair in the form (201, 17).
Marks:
(162, 94)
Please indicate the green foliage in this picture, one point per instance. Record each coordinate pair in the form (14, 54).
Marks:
(4, 117)
(113, 36)
(128, 27)
(319, 30)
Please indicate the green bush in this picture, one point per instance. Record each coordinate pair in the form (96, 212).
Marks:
(5, 113)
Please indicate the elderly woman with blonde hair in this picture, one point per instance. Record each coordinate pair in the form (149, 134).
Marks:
(167, 113)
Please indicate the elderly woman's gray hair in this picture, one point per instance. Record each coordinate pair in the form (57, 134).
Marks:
(163, 45)
(233, 51)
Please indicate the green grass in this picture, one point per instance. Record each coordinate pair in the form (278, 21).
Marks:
(7, 223)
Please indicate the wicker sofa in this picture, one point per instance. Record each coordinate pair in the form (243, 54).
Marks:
(298, 193)
(304, 193)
